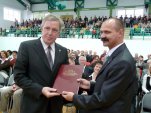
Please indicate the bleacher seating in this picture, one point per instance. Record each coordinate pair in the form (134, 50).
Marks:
(65, 33)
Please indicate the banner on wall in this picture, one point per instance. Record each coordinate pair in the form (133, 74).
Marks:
(66, 17)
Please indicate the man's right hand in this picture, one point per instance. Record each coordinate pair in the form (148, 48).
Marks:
(49, 92)
(85, 84)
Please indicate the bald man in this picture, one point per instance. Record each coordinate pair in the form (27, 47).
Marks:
(116, 82)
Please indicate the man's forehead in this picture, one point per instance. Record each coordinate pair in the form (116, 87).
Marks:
(109, 22)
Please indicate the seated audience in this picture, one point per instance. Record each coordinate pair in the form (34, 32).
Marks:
(13, 93)
(4, 62)
(13, 60)
(87, 69)
(71, 60)
(96, 69)
(146, 86)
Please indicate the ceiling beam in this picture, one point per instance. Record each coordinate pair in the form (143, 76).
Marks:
(22, 3)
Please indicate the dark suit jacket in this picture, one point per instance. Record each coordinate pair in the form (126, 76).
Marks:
(32, 72)
(114, 87)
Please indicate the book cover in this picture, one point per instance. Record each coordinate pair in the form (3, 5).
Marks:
(66, 79)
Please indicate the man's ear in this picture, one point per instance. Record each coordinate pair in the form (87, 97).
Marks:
(121, 32)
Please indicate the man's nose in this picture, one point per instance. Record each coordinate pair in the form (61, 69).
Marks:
(50, 32)
(102, 35)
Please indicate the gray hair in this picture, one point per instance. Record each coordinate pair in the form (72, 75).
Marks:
(82, 58)
(53, 18)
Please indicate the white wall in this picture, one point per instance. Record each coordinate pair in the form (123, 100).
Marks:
(65, 13)
(92, 4)
(39, 7)
(11, 4)
(92, 13)
(130, 2)
(27, 14)
(135, 46)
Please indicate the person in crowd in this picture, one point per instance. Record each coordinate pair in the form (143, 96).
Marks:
(148, 58)
(136, 57)
(94, 59)
(9, 54)
(36, 68)
(146, 85)
(74, 55)
(71, 60)
(96, 69)
(87, 70)
(4, 62)
(10, 97)
(140, 64)
(13, 59)
(89, 56)
(103, 56)
(113, 90)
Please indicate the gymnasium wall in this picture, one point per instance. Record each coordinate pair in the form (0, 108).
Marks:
(10, 4)
(142, 47)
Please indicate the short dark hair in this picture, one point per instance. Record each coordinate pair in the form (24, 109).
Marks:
(96, 62)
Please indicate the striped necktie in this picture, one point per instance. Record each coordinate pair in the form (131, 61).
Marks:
(49, 57)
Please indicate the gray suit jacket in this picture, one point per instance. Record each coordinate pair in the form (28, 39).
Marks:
(32, 72)
(114, 87)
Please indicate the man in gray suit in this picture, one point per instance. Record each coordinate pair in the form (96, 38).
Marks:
(35, 74)
(116, 82)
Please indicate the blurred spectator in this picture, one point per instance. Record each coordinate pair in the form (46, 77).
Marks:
(4, 62)
(13, 60)
(146, 86)
(71, 60)
(9, 54)
(96, 69)
(1, 30)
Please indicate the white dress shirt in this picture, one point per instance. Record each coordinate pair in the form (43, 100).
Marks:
(144, 88)
(45, 46)
(109, 53)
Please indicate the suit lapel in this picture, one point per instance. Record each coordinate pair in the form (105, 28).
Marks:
(41, 52)
(114, 54)
(106, 63)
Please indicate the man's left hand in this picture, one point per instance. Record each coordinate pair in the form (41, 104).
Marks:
(68, 95)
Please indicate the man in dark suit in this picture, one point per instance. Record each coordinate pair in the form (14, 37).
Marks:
(116, 82)
(33, 72)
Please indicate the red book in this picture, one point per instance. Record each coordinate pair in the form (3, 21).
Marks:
(66, 79)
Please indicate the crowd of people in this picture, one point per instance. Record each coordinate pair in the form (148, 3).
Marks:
(11, 93)
(78, 27)
(92, 63)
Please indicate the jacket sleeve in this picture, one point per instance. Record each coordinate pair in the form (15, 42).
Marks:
(117, 81)
(21, 73)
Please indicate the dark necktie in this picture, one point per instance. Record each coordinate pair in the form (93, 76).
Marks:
(107, 58)
(49, 57)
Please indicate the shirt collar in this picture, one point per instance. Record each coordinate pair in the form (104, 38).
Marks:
(45, 46)
(113, 49)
